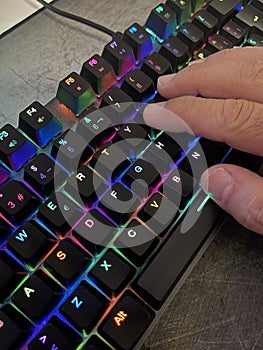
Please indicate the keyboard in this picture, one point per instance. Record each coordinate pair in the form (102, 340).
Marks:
(102, 217)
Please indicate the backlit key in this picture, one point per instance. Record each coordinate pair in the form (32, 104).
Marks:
(191, 35)
(139, 86)
(181, 8)
(175, 51)
(156, 65)
(218, 43)
(224, 9)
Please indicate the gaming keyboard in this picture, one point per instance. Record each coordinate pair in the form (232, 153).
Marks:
(96, 206)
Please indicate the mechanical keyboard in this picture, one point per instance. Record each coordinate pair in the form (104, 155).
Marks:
(95, 205)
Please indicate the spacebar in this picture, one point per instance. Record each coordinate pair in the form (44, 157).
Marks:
(160, 276)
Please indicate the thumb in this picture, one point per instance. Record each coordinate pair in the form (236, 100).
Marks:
(238, 191)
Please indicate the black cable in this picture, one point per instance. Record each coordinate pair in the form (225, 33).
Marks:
(77, 18)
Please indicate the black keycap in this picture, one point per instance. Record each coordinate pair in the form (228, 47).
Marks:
(255, 40)
(120, 55)
(175, 51)
(126, 322)
(30, 243)
(99, 73)
(94, 343)
(162, 21)
(205, 21)
(110, 161)
(181, 8)
(156, 65)
(44, 175)
(5, 229)
(138, 85)
(14, 328)
(119, 105)
(163, 153)
(37, 296)
(70, 149)
(84, 307)
(4, 174)
(191, 35)
(158, 213)
(139, 40)
(258, 4)
(59, 213)
(179, 187)
(250, 18)
(11, 275)
(75, 93)
(196, 5)
(39, 124)
(95, 127)
(15, 149)
(111, 273)
(234, 33)
(94, 231)
(119, 203)
(223, 10)
(86, 186)
(136, 242)
(55, 335)
(16, 202)
(218, 43)
(201, 54)
(66, 263)
(176, 254)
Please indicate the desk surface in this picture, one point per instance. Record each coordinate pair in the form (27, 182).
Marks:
(220, 306)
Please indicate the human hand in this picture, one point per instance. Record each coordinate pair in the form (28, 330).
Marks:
(232, 82)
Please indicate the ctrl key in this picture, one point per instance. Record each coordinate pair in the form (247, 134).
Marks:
(126, 322)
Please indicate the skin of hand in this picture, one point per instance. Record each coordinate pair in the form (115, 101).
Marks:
(232, 112)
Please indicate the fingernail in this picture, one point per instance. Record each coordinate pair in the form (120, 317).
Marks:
(165, 79)
(218, 183)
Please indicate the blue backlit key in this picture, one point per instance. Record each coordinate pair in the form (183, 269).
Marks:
(39, 124)
(15, 149)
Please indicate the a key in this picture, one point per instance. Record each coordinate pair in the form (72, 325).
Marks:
(86, 186)
(120, 55)
(201, 54)
(126, 322)
(234, 32)
(30, 243)
(44, 175)
(218, 43)
(17, 203)
(55, 335)
(119, 106)
(196, 5)
(94, 231)
(181, 8)
(75, 93)
(191, 35)
(84, 307)
(37, 296)
(141, 177)
(4, 174)
(14, 329)
(205, 21)
(111, 273)
(179, 187)
(156, 65)
(94, 343)
(251, 18)
(66, 263)
(258, 4)
(70, 150)
(158, 213)
(136, 242)
(255, 40)
(59, 213)
(161, 21)
(99, 73)
(11, 275)
(175, 51)
(223, 10)
(95, 127)
(39, 124)
(139, 86)
(119, 203)
(177, 253)
(139, 40)
(132, 138)
(15, 149)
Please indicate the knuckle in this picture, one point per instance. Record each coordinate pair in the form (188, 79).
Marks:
(251, 72)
